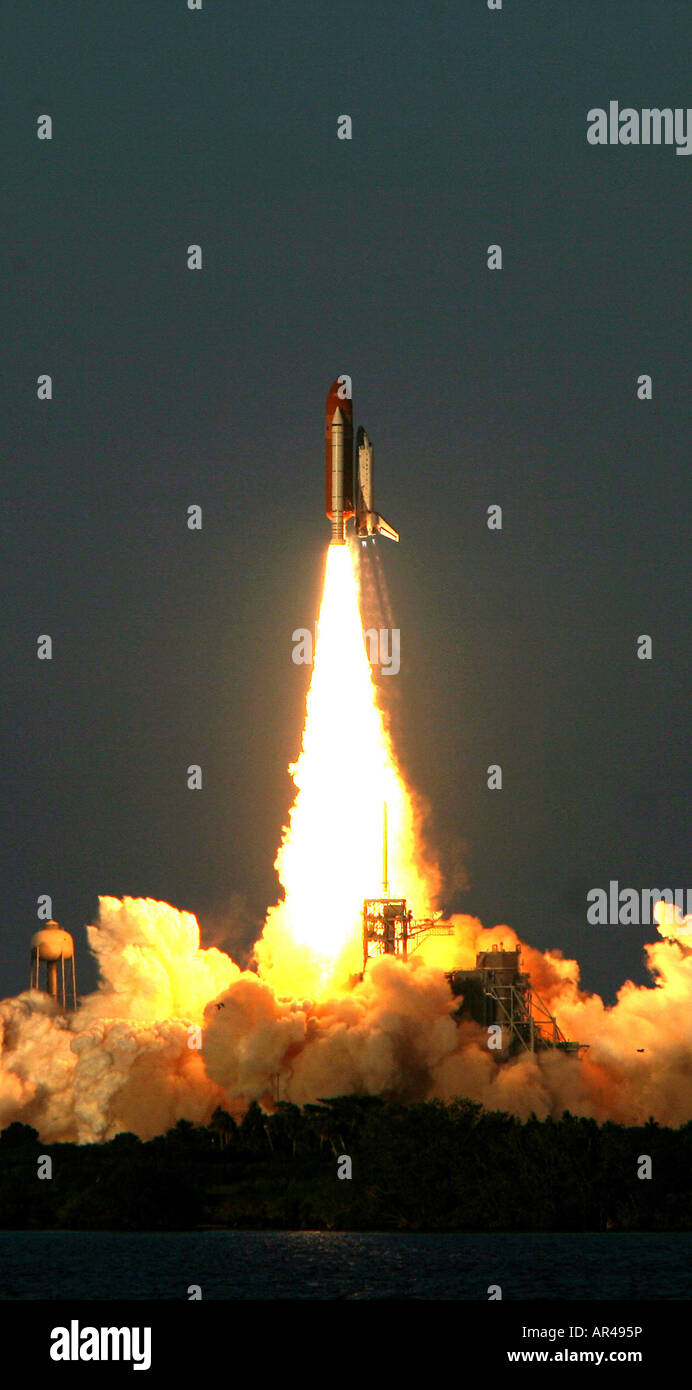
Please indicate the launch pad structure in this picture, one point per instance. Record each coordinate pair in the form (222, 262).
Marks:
(389, 927)
(497, 994)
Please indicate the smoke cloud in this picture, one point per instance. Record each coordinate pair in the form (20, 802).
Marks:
(175, 1030)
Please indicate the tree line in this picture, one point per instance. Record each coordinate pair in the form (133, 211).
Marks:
(423, 1167)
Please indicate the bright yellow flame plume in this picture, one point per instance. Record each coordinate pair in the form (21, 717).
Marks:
(330, 857)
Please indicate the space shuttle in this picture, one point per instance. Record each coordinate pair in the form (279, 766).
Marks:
(350, 481)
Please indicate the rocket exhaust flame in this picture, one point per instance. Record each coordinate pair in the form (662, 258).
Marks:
(329, 859)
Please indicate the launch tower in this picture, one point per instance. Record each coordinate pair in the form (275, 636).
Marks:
(497, 992)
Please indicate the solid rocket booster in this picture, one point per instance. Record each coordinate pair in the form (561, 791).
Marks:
(349, 495)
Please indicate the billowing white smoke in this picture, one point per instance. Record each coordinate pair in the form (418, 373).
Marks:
(392, 1035)
(128, 1060)
(123, 1060)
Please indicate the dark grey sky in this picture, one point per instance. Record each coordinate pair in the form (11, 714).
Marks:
(170, 387)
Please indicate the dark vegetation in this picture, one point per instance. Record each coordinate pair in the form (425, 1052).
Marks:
(426, 1167)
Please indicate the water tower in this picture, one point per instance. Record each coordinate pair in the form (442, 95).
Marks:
(51, 946)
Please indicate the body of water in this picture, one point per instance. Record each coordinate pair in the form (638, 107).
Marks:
(329, 1264)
